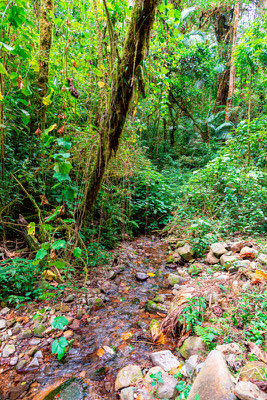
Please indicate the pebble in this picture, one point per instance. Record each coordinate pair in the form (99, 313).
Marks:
(5, 311)
(2, 323)
(8, 350)
(34, 363)
(34, 342)
(141, 277)
(13, 361)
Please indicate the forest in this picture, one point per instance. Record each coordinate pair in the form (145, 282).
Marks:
(133, 192)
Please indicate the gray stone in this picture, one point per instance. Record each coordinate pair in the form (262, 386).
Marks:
(34, 363)
(164, 359)
(218, 249)
(229, 348)
(38, 354)
(191, 365)
(237, 247)
(112, 275)
(21, 365)
(214, 381)
(211, 259)
(248, 252)
(186, 252)
(127, 393)
(249, 391)
(13, 361)
(141, 276)
(8, 350)
(69, 298)
(127, 376)
(26, 334)
(164, 390)
(34, 342)
(191, 346)
(4, 311)
(2, 324)
(175, 279)
(159, 299)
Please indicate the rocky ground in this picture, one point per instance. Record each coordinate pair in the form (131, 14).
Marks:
(132, 329)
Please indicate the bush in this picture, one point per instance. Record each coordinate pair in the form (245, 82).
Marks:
(17, 280)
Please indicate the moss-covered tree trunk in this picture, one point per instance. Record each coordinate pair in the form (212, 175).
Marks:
(111, 125)
(45, 42)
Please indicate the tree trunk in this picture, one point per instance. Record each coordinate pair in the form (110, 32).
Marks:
(111, 127)
(45, 42)
(232, 68)
(223, 30)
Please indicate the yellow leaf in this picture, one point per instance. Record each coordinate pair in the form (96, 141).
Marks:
(100, 84)
(162, 339)
(100, 352)
(135, 111)
(259, 276)
(175, 371)
(1, 97)
(126, 335)
(49, 275)
(150, 274)
(155, 329)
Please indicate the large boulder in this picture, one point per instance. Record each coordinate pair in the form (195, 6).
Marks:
(186, 252)
(127, 376)
(164, 390)
(164, 359)
(127, 393)
(229, 348)
(237, 247)
(191, 346)
(228, 261)
(253, 370)
(218, 249)
(249, 391)
(214, 381)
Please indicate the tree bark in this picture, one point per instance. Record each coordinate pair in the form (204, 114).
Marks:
(232, 67)
(45, 43)
(111, 125)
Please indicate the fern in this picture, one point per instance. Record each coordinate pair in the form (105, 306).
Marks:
(207, 334)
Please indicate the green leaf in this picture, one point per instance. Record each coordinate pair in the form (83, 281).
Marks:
(41, 253)
(69, 194)
(77, 252)
(59, 347)
(59, 244)
(58, 264)
(60, 322)
(197, 397)
(61, 177)
(3, 70)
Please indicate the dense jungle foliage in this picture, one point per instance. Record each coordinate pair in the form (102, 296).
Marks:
(121, 117)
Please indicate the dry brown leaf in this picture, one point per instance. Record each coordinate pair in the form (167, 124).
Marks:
(259, 277)
(259, 353)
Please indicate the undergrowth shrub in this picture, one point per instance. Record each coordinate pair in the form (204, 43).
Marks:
(230, 191)
(18, 278)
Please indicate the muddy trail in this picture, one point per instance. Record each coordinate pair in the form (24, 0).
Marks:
(105, 339)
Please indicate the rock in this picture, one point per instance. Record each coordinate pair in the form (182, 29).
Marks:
(127, 376)
(195, 269)
(186, 252)
(262, 259)
(112, 275)
(34, 342)
(164, 390)
(248, 252)
(218, 249)
(11, 322)
(8, 350)
(214, 381)
(21, 365)
(228, 261)
(191, 365)
(254, 370)
(127, 394)
(176, 257)
(175, 279)
(211, 297)
(211, 259)
(16, 328)
(38, 354)
(71, 389)
(229, 348)
(164, 359)
(2, 324)
(70, 298)
(191, 346)
(68, 334)
(13, 361)
(4, 311)
(75, 325)
(159, 299)
(249, 391)
(237, 247)
(34, 363)
(25, 334)
(98, 303)
(141, 276)
(39, 329)
(153, 307)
